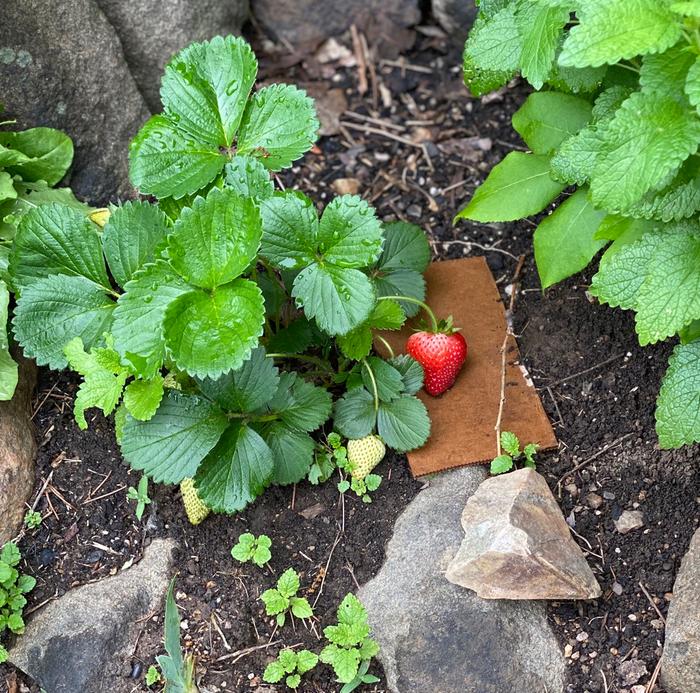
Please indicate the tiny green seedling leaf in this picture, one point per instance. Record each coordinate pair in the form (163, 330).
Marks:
(512, 455)
(252, 548)
(281, 600)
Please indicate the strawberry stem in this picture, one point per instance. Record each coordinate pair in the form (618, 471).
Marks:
(424, 306)
(386, 345)
(373, 380)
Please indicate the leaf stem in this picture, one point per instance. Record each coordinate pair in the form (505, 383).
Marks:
(386, 344)
(375, 392)
(410, 299)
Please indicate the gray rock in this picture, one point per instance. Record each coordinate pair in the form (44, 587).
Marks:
(631, 671)
(17, 448)
(306, 23)
(82, 641)
(517, 544)
(680, 662)
(629, 520)
(151, 31)
(61, 65)
(455, 16)
(435, 636)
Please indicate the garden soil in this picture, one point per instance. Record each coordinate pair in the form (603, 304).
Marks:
(597, 385)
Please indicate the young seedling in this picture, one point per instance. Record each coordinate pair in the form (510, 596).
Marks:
(291, 664)
(140, 495)
(32, 519)
(278, 602)
(178, 671)
(13, 587)
(362, 677)
(513, 454)
(252, 548)
(153, 676)
(350, 645)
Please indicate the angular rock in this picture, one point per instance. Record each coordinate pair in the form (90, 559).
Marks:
(629, 520)
(61, 65)
(17, 449)
(435, 636)
(150, 33)
(81, 641)
(455, 16)
(517, 544)
(307, 23)
(680, 662)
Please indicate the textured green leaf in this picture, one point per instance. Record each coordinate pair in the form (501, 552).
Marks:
(306, 661)
(274, 672)
(692, 84)
(249, 178)
(565, 240)
(300, 404)
(301, 607)
(575, 160)
(401, 282)
(577, 80)
(510, 443)
(205, 88)
(411, 372)
(649, 138)
(216, 239)
(607, 103)
(541, 28)
(279, 126)
(293, 339)
(519, 186)
(547, 118)
(8, 367)
(209, 334)
(339, 299)
(236, 471)
(387, 315)
(170, 446)
(290, 228)
(388, 380)
(608, 32)
(130, 238)
(166, 162)
(501, 464)
(403, 424)
(142, 397)
(55, 239)
(689, 8)
(406, 247)
(665, 73)
(678, 405)
(292, 453)
(345, 662)
(246, 389)
(354, 415)
(7, 188)
(48, 154)
(349, 235)
(52, 311)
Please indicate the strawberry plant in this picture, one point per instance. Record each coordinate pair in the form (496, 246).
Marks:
(225, 322)
(512, 454)
(13, 587)
(283, 599)
(613, 134)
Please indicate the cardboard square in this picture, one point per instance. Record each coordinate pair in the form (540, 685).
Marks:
(463, 418)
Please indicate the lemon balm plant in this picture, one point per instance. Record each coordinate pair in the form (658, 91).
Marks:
(613, 133)
(224, 321)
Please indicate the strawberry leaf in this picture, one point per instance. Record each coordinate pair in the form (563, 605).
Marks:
(8, 367)
(354, 415)
(142, 397)
(292, 453)
(299, 404)
(248, 178)
(403, 424)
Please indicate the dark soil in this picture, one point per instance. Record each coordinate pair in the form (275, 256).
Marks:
(596, 383)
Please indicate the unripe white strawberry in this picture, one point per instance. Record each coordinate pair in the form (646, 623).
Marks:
(195, 509)
(364, 454)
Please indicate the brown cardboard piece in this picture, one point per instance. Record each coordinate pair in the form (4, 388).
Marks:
(463, 419)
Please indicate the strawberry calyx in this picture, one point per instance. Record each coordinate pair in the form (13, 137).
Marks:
(444, 326)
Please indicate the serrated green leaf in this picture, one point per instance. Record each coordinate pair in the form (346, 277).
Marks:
(575, 160)
(47, 154)
(306, 661)
(293, 339)
(216, 239)
(349, 234)
(142, 397)
(401, 282)
(354, 415)
(274, 672)
(290, 229)
(689, 8)
(7, 188)
(344, 662)
(575, 80)
(406, 247)
(510, 443)
(288, 659)
(209, 334)
(387, 315)
(139, 315)
(292, 453)
(388, 380)
(678, 405)
(130, 238)
(403, 424)
(647, 140)
(247, 388)
(288, 583)
(547, 118)
(52, 311)
(170, 446)
(15, 623)
(541, 28)
(236, 471)
(10, 554)
(501, 464)
(351, 610)
(565, 240)
(411, 372)
(301, 607)
(8, 367)
(26, 583)
(56, 239)
(279, 126)
(519, 186)
(338, 298)
(300, 405)
(665, 73)
(608, 32)
(249, 178)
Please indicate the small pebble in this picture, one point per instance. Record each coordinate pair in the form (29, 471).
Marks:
(594, 500)
(617, 588)
(608, 495)
(629, 520)
(582, 636)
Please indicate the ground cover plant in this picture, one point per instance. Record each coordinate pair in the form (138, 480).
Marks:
(615, 125)
(13, 586)
(226, 322)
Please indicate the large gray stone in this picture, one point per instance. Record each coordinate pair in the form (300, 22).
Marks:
(61, 65)
(455, 16)
(17, 449)
(82, 641)
(151, 31)
(680, 662)
(438, 637)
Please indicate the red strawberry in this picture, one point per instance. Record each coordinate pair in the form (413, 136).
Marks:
(441, 354)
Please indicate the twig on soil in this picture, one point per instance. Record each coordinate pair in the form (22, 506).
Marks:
(214, 618)
(376, 121)
(403, 65)
(595, 456)
(605, 681)
(104, 495)
(60, 497)
(651, 601)
(372, 72)
(652, 681)
(376, 131)
(238, 654)
(41, 404)
(328, 562)
(36, 607)
(485, 248)
(556, 405)
(588, 370)
(360, 58)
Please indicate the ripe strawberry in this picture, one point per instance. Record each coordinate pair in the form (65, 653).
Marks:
(195, 509)
(364, 454)
(441, 353)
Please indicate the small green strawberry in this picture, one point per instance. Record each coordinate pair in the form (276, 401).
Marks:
(195, 509)
(364, 454)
